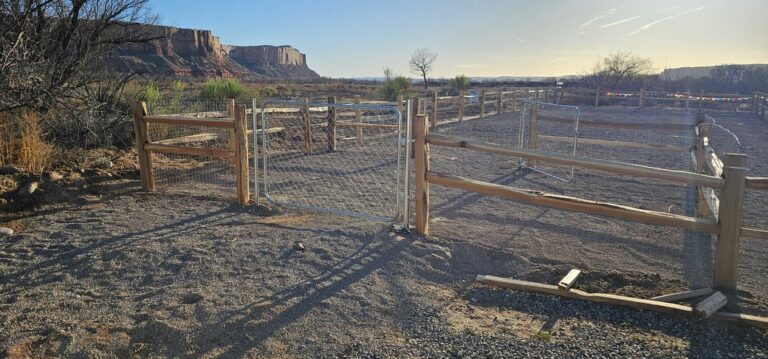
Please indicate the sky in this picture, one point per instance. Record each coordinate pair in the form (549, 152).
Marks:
(348, 38)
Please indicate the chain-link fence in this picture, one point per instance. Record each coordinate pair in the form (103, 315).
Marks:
(341, 158)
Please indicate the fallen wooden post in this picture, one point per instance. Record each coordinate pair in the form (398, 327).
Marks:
(712, 304)
(675, 297)
(637, 303)
(569, 279)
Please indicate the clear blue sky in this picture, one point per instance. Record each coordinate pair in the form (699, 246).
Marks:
(346, 38)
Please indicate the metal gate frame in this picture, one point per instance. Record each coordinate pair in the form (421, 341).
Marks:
(403, 163)
(521, 136)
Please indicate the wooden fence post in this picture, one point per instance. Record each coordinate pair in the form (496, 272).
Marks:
(500, 101)
(514, 100)
(533, 133)
(359, 118)
(307, 128)
(232, 135)
(701, 99)
(546, 95)
(754, 103)
(241, 154)
(461, 105)
(331, 124)
(415, 111)
(597, 97)
(482, 103)
(762, 108)
(433, 119)
(400, 105)
(641, 101)
(537, 94)
(422, 166)
(145, 157)
(687, 100)
(731, 204)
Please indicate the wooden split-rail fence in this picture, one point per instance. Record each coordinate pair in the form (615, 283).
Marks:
(727, 177)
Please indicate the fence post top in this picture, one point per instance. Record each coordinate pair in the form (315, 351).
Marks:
(735, 160)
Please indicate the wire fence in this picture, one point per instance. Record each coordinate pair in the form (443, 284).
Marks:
(340, 158)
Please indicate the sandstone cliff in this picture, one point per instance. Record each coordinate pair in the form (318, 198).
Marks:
(198, 53)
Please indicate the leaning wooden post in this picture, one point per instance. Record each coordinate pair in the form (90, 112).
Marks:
(499, 101)
(241, 154)
(359, 119)
(422, 166)
(482, 103)
(461, 105)
(307, 128)
(641, 101)
(433, 119)
(687, 100)
(597, 97)
(731, 204)
(533, 133)
(142, 138)
(331, 124)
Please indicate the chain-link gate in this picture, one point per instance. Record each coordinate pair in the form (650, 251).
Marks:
(347, 159)
(552, 128)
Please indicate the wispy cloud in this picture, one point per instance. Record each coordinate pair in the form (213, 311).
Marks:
(652, 23)
(598, 16)
(561, 59)
(669, 8)
(621, 21)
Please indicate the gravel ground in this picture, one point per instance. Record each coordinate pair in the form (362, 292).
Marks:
(133, 274)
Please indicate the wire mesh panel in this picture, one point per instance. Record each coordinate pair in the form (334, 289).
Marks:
(199, 175)
(341, 158)
(551, 128)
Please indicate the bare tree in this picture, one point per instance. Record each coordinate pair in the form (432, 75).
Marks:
(617, 69)
(421, 63)
(55, 54)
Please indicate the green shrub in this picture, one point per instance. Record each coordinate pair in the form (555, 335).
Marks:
(221, 89)
(395, 86)
(152, 94)
(459, 82)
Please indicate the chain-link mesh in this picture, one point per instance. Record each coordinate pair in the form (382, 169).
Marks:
(339, 158)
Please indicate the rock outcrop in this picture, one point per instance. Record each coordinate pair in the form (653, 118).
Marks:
(198, 53)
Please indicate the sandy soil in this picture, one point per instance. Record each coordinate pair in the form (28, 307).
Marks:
(132, 274)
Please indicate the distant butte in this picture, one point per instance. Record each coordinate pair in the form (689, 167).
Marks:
(198, 53)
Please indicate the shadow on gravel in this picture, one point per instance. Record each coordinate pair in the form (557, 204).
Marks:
(265, 317)
(79, 260)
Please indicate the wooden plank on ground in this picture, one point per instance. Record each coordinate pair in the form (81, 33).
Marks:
(688, 294)
(569, 279)
(574, 204)
(637, 303)
(710, 305)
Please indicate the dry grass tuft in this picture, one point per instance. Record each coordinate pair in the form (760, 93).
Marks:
(23, 143)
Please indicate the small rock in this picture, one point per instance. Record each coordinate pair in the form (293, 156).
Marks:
(298, 246)
(29, 189)
(54, 176)
(102, 163)
(5, 231)
(10, 170)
